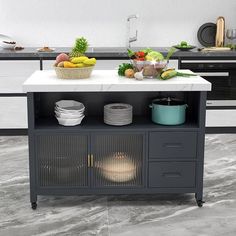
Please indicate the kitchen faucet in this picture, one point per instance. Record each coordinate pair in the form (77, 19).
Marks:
(134, 38)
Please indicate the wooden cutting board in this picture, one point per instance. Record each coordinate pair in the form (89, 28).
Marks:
(220, 32)
(216, 49)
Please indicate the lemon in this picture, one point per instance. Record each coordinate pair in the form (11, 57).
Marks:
(148, 58)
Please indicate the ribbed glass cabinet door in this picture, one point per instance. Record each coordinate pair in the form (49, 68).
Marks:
(62, 160)
(117, 159)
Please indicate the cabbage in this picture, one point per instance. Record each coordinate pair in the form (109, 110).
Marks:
(157, 56)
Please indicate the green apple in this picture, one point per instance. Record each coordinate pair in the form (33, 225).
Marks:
(183, 44)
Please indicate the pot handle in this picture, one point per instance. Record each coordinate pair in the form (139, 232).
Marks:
(150, 106)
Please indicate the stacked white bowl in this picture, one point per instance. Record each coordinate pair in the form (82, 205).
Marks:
(69, 112)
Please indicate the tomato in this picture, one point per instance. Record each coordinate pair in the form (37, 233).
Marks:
(140, 54)
(141, 59)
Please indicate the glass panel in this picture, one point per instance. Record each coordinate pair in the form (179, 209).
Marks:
(118, 160)
(62, 160)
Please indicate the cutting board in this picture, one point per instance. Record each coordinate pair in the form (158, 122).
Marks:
(216, 49)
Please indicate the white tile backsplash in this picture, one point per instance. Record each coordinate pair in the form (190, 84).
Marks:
(103, 22)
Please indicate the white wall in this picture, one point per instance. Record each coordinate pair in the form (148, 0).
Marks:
(103, 22)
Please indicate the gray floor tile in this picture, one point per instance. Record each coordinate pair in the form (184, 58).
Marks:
(120, 215)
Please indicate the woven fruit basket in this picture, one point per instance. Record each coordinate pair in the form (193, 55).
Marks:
(73, 73)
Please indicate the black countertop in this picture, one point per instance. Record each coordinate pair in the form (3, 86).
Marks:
(112, 53)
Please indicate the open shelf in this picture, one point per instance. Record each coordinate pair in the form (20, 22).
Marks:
(96, 123)
(94, 103)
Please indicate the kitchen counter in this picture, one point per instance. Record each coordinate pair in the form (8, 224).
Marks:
(109, 53)
(109, 81)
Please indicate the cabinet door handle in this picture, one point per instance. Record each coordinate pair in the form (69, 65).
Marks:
(221, 103)
(171, 174)
(172, 145)
(208, 61)
(213, 74)
(91, 160)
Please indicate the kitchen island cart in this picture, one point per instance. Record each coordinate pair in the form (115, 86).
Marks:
(85, 159)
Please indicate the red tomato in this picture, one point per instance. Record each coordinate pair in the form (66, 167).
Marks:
(141, 59)
(141, 54)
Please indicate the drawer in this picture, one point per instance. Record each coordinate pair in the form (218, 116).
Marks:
(15, 68)
(221, 118)
(11, 84)
(171, 174)
(172, 145)
(13, 112)
(14, 73)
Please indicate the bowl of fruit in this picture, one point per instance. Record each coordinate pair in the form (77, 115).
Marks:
(75, 65)
(149, 62)
(184, 46)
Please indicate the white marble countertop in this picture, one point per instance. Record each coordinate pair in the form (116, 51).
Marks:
(108, 80)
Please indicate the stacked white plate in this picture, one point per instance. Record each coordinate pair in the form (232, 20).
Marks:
(69, 112)
(118, 114)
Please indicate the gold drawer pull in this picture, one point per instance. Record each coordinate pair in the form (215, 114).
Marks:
(91, 160)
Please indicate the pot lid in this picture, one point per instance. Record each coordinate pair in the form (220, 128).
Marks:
(168, 101)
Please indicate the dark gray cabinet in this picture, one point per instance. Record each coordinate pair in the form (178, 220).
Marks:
(66, 160)
(95, 158)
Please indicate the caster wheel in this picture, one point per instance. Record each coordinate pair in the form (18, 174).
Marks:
(200, 203)
(34, 205)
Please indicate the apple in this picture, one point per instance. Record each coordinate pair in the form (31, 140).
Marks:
(62, 57)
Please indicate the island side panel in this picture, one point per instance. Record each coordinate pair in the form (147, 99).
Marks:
(201, 145)
(32, 161)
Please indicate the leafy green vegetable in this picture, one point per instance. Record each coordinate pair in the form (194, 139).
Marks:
(232, 46)
(123, 67)
(157, 56)
(170, 53)
(146, 50)
(130, 52)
